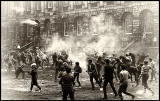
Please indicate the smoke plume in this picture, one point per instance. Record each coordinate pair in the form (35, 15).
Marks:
(103, 37)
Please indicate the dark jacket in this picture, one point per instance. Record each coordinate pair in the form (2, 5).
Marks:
(67, 82)
(34, 77)
(92, 68)
(77, 69)
(108, 72)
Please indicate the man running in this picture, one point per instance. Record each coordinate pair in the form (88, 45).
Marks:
(124, 83)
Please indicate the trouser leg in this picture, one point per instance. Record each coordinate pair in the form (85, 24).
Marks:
(152, 75)
(97, 80)
(113, 88)
(91, 80)
(23, 74)
(17, 73)
(78, 80)
(104, 89)
(127, 93)
(38, 87)
(56, 73)
(71, 95)
(74, 76)
(65, 94)
(120, 90)
(31, 87)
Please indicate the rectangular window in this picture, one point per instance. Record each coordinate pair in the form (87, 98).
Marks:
(110, 2)
(65, 3)
(29, 6)
(95, 4)
(78, 6)
(50, 4)
(65, 9)
(118, 2)
(78, 2)
(66, 29)
(79, 29)
(39, 5)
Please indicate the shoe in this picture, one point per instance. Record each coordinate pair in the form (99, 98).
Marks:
(116, 95)
(105, 98)
(133, 97)
(79, 87)
(101, 89)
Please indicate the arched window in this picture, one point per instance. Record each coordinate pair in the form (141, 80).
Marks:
(78, 25)
(65, 27)
(146, 22)
(127, 19)
(109, 21)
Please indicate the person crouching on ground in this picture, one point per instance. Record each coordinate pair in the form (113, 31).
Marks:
(67, 82)
(34, 75)
(77, 70)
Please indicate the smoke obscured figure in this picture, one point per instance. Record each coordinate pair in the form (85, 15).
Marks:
(139, 67)
(20, 70)
(77, 71)
(141, 58)
(99, 65)
(153, 70)
(145, 75)
(93, 74)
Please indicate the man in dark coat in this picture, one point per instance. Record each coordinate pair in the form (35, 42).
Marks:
(92, 71)
(108, 78)
(20, 70)
(133, 59)
(99, 65)
(67, 82)
(141, 58)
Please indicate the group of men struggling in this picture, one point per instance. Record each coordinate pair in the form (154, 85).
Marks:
(21, 59)
(120, 67)
(102, 69)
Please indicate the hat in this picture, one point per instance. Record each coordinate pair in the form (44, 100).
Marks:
(33, 64)
(107, 60)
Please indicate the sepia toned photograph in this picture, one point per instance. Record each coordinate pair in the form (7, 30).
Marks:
(80, 50)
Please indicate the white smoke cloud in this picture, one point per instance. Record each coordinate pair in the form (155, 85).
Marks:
(104, 40)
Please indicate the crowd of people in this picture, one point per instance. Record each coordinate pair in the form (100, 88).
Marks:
(103, 68)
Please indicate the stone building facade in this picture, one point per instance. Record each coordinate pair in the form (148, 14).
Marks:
(139, 20)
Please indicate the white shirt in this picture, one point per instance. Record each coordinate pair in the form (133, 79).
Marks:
(124, 76)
